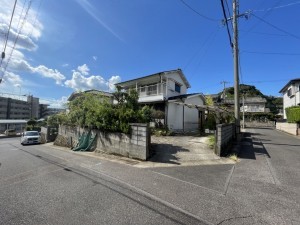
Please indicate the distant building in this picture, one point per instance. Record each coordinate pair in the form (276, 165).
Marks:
(15, 109)
(52, 111)
(34, 106)
(291, 94)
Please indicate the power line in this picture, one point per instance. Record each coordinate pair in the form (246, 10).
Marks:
(266, 81)
(277, 7)
(17, 38)
(265, 15)
(229, 14)
(270, 53)
(35, 19)
(264, 33)
(275, 27)
(195, 11)
(211, 36)
(226, 22)
(5, 44)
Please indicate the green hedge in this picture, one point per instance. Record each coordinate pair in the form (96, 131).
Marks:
(293, 114)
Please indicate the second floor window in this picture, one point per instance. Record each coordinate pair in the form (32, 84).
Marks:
(177, 88)
(289, 92)
(152, 89)
(143, 89)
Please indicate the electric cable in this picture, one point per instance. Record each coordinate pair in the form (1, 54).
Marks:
(277, 7)
(5, 44)
(271, 53)
(195, 11)
(226, 22)
(265, 15)
(16, 40)
(275, 27)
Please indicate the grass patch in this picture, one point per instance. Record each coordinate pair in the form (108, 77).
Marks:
(233, 157)
(211, 141)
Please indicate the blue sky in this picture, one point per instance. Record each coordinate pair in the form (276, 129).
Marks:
(71, 45)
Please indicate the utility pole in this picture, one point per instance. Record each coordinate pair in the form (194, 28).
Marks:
(243, 110)
(224, 89)
(235, 6)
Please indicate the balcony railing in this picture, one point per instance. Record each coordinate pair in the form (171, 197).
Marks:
(151, 90)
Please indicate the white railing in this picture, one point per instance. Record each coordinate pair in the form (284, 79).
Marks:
(150, 90)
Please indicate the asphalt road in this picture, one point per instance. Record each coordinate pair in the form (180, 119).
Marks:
(40, 184)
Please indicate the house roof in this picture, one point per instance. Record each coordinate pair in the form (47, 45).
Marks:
(185, 96)
(156, 77)
(76, 94)
(288, 84)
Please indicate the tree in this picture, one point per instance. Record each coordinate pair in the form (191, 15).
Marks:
(96, 111)
(31, 123)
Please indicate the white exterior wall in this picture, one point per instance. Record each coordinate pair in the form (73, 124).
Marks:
(175, 116)
(171, 79)
(292, 100)
(191, 115)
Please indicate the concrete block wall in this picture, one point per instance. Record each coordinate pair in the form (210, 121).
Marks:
(225, 133)
(140, 141)
(291, 128)
(134, 145)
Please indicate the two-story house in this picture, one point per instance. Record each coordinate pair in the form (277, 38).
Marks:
(167, 91)
(291, 94)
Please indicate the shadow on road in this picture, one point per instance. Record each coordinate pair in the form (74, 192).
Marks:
(252, 146)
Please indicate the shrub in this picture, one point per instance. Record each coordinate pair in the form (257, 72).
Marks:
(95, 111)
(293, 114)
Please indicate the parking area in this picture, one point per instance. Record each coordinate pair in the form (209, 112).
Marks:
(181, 151)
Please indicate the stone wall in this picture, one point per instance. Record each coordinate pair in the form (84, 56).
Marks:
(225, 133)
(134, 145)
(48, 134)
(291, 128)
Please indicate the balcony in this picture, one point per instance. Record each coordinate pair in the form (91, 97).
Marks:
(150, 93)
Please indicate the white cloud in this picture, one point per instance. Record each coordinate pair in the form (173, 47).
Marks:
(12, 78)
(83, 81)
(20, 65)
(31, 31)
(23, 41)
(65, 65)
(50, 73)
(112, 81)
(55, 103)
(84, 69)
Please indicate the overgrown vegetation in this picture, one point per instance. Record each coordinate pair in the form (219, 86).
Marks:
(97, 111)
(293, 114)
(213, 118)
(34, 124)
(211, 141)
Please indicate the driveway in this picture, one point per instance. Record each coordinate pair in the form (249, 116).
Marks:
(182, 151)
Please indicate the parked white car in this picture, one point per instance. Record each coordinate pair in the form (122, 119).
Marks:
(30, 137)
